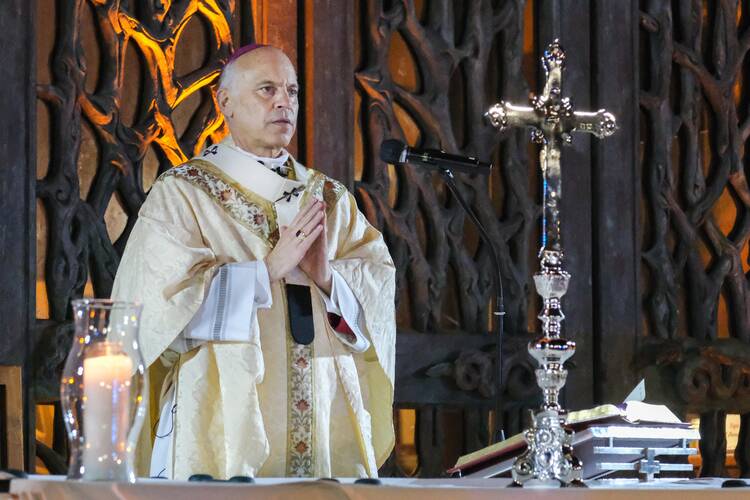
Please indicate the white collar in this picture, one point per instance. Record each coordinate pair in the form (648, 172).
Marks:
(279, 161)
(250, 173)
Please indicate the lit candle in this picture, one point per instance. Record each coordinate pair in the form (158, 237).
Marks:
(106, 412)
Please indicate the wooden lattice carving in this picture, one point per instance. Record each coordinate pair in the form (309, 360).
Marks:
(441, 58)
(444, 276)
(694, 87)
(79, 247)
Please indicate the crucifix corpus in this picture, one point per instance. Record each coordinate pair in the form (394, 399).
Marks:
(549, 459)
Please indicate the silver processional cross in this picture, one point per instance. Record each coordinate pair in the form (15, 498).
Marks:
(549, 458)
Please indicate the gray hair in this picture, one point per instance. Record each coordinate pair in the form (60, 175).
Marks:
(228, 76)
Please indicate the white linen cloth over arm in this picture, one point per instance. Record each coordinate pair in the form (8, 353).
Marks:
(239, 289)
(229, 310)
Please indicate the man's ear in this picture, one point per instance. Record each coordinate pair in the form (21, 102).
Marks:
(223, 98)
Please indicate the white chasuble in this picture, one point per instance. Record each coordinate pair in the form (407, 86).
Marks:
(265, 406)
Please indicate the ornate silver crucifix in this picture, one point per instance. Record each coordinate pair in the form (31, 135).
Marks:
(549, 458)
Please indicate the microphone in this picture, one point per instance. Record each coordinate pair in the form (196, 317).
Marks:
(396, 152)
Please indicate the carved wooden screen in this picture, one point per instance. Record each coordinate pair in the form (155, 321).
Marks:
(122, 96)
(427, 71)
(696, 214)
(124, 93)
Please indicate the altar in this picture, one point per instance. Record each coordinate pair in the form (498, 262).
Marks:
(516, 283)
(57, 488)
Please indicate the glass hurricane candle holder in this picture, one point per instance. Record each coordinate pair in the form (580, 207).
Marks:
(103, 390)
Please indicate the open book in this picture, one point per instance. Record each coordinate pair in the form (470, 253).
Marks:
(630, 412)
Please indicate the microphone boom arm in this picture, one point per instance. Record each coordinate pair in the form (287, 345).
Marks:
(499, 312)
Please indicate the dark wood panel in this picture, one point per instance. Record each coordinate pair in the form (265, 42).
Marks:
(425, 366)
(11, 404)
(329, 87)
(615, 200)
(456, 370)
(17, 172)
(17, 199)
(280, 23)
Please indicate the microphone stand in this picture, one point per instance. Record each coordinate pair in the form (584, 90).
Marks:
(499, 312)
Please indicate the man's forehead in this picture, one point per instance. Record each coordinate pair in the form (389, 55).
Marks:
(263, 77)
(269, 60)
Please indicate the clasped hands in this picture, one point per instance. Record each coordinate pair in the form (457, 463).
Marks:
(303, 243)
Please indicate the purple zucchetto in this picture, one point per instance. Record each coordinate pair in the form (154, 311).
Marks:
(241, 51)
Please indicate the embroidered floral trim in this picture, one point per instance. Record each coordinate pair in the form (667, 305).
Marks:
(299, 461)
(248, 209)
(322, 186)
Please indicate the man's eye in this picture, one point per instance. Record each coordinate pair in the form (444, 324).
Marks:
(293, 92)
(268, 90)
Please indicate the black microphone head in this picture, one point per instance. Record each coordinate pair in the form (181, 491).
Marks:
(391, 151)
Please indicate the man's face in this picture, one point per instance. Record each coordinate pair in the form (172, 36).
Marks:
(261, 102)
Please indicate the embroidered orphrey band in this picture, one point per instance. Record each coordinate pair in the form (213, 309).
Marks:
(299, 461)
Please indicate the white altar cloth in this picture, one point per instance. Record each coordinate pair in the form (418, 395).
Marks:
(57, 488)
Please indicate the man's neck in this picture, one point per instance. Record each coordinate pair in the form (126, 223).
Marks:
(275, 163)
(259, 151)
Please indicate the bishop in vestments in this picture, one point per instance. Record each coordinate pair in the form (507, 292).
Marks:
(268, 302)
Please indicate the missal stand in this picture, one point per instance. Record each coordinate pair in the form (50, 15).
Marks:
(608, 451)
(631, 440)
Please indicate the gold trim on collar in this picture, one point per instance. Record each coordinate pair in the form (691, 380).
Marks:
(255, 213)
(320, 185)
(209, 167)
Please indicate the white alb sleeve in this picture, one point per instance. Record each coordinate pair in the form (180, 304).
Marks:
(228, 312)
(343, 303)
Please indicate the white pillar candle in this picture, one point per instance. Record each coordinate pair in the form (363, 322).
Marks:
(106, 412)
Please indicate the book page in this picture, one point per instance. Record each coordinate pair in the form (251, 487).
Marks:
(510, 443)
(592, 414)
(637, 411)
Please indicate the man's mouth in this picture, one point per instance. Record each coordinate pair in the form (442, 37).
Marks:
(282, 121)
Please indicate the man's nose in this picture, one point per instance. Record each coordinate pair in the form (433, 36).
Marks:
(283, 99)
